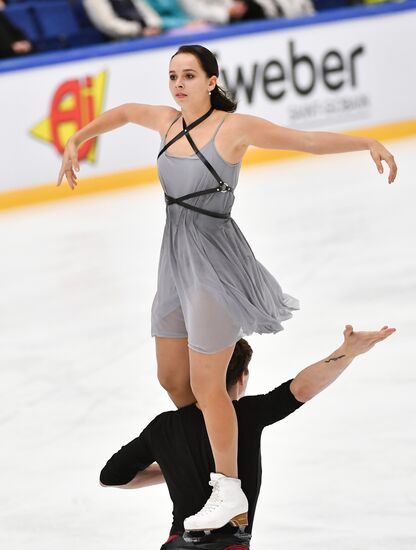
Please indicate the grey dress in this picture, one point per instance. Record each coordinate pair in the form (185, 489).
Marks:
(210, 289)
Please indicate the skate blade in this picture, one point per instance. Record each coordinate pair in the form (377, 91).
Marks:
(194, 537)
(240, 521)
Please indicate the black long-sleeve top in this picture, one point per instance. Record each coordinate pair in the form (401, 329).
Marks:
(178, 442)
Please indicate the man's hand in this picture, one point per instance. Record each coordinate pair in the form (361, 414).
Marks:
(356, 343)
(315, 378)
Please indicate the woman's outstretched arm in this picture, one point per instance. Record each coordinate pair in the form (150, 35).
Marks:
(262, 133)
(155, 117)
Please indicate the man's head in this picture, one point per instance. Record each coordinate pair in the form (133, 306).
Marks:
(237, 372)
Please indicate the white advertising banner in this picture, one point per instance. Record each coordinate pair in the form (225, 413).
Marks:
(333, 76)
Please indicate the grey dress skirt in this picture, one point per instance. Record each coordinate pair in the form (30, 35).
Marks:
(210, 288)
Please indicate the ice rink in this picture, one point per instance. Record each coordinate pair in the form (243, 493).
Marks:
(78, 367)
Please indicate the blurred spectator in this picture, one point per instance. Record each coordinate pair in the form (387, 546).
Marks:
(223, 11)
(171, 13)
(123, 18)
(294, 8)
(381, 1)
(331, 4)
(229, 11)
(173, 16)
(12, 40)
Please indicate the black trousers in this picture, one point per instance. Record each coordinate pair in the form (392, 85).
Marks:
(218, 542)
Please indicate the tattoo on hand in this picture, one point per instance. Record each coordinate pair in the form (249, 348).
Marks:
(333, 358)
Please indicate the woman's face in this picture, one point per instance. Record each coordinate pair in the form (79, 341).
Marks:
(188, 82)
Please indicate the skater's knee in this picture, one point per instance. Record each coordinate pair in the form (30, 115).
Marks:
(205, 383)
(174, 385)
(172, 361)
(208, 373)
(168, 381)
(172, 379)
(207, 390)
(179, 390)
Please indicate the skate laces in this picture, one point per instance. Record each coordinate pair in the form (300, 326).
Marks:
(214, 500)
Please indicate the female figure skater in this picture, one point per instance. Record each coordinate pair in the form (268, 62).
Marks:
(211, 289)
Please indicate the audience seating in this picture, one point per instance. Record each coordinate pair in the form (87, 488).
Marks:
(53, 24)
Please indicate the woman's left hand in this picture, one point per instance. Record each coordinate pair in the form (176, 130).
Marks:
(379, 153)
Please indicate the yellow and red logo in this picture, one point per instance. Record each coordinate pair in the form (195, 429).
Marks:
(73, 105)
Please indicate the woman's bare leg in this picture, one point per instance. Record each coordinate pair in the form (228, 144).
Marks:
(208, 383)
(172, 356)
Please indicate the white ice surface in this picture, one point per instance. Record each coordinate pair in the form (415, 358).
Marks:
(78, 367)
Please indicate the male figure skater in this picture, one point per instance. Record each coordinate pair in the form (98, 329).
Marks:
(178, 442)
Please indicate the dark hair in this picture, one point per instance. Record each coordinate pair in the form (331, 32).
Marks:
(239, 362)
(220, 98)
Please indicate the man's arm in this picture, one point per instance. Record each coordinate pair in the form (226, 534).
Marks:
(315, 378)
(152, 475)
(124, 466)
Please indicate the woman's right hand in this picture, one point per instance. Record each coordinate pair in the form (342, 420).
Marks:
(70, 165)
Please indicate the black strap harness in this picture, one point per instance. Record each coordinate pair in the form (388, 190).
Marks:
(222, 187)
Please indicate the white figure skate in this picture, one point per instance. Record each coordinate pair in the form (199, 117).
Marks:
(227, 504)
